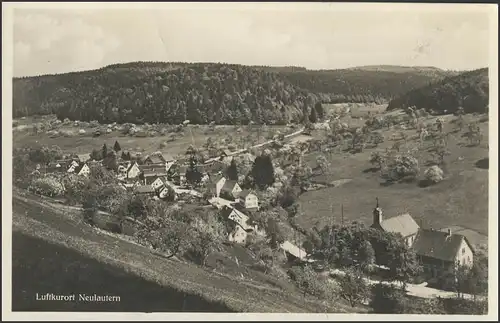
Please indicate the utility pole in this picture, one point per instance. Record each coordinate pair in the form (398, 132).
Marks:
(342, 214)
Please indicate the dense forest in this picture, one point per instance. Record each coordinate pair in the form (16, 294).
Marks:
(469, 90)
(153, 92)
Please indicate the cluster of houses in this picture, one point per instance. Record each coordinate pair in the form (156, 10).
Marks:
(439, 251)
(78, 166)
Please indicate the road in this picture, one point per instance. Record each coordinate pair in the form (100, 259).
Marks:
(240, 151)
(417, 290)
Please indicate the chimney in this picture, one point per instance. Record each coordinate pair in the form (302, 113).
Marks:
(377, 215)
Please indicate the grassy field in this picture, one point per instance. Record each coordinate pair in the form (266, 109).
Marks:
(83, 144)
(92, 256)
(461, 200)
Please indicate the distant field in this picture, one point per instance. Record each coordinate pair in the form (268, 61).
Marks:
(82, 144)
(460, 200)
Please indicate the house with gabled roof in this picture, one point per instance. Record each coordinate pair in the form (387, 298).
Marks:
(82, 170)
(144, 190)
(441, 252)
(133, 170)
(403, 224)
(154, 160)
(239, 232)
(230, 189)
(248, 200)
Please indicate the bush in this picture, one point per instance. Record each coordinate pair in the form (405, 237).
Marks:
(433, 174)
(47, 186)
(403, 167)
(387, 299)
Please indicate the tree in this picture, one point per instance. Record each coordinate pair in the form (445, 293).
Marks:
(434, 174)
(323, 163)
(125, 155)
(403, 265)
(110, 161)
(387, 299)
(474, 134)
(48, 185)
(320, 112)
(104, 151)
(96, 154)
(353, 287)
(90, 209)
(263, 171)
(377, 159)
(402, 167)
(117, 147)
(193, 175)
(365, 255)
(313, 116)
(232, 171)
(274, 233)
(308, 281)
(208, 236)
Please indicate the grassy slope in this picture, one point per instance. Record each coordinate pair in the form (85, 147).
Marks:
(460, 200)
(52, 226)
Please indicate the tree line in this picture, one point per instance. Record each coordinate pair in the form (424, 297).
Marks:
(469, 91)
(202, 93)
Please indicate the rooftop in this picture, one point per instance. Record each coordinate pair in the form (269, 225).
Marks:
(438, 244)
(403, 224)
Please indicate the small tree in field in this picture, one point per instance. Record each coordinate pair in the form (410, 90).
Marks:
(117, 147)
(474, 134)
(323, 163)
(377, 159)
(434, 174)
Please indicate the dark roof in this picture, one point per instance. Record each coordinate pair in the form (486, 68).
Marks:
(79, 167)
(403, 224)
(438, 245)
(144, 189)
(167, 157)
(154, 173)
(155, 159)
(245, 193)
(228, 186)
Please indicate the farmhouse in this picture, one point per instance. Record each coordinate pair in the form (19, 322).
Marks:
(145, 190)
(402, 224)
(239, 232)
(133, 171)
(164, 192)
(84, 157)
(230, 189)
(154, 160)
(248, 200)
(82, 170)
(155, 181)
(440, 252)
(72, 166)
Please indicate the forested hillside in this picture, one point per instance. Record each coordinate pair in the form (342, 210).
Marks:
(204, 92)
(470, 90)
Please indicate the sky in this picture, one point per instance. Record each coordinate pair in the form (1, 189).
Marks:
(47, 40)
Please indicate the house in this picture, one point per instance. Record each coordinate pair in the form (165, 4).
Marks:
(154, 160)
(248, 200)
(230, 189)
(402, 224)
(58, 166)
(155, 181)
(82, 170)
(293, 252)
(72, 166)
(159, 168)
(163, 192)
(133, 170)
(440, 252)
(239, 232)
(84, 157)
(145, 190)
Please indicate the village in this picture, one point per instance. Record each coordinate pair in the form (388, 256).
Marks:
(160, 176)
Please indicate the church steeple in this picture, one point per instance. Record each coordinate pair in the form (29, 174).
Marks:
(377, 214)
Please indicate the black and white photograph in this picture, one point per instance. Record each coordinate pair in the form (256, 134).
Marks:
(190, 159)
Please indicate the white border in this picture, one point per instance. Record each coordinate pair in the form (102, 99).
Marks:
(7, 64)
